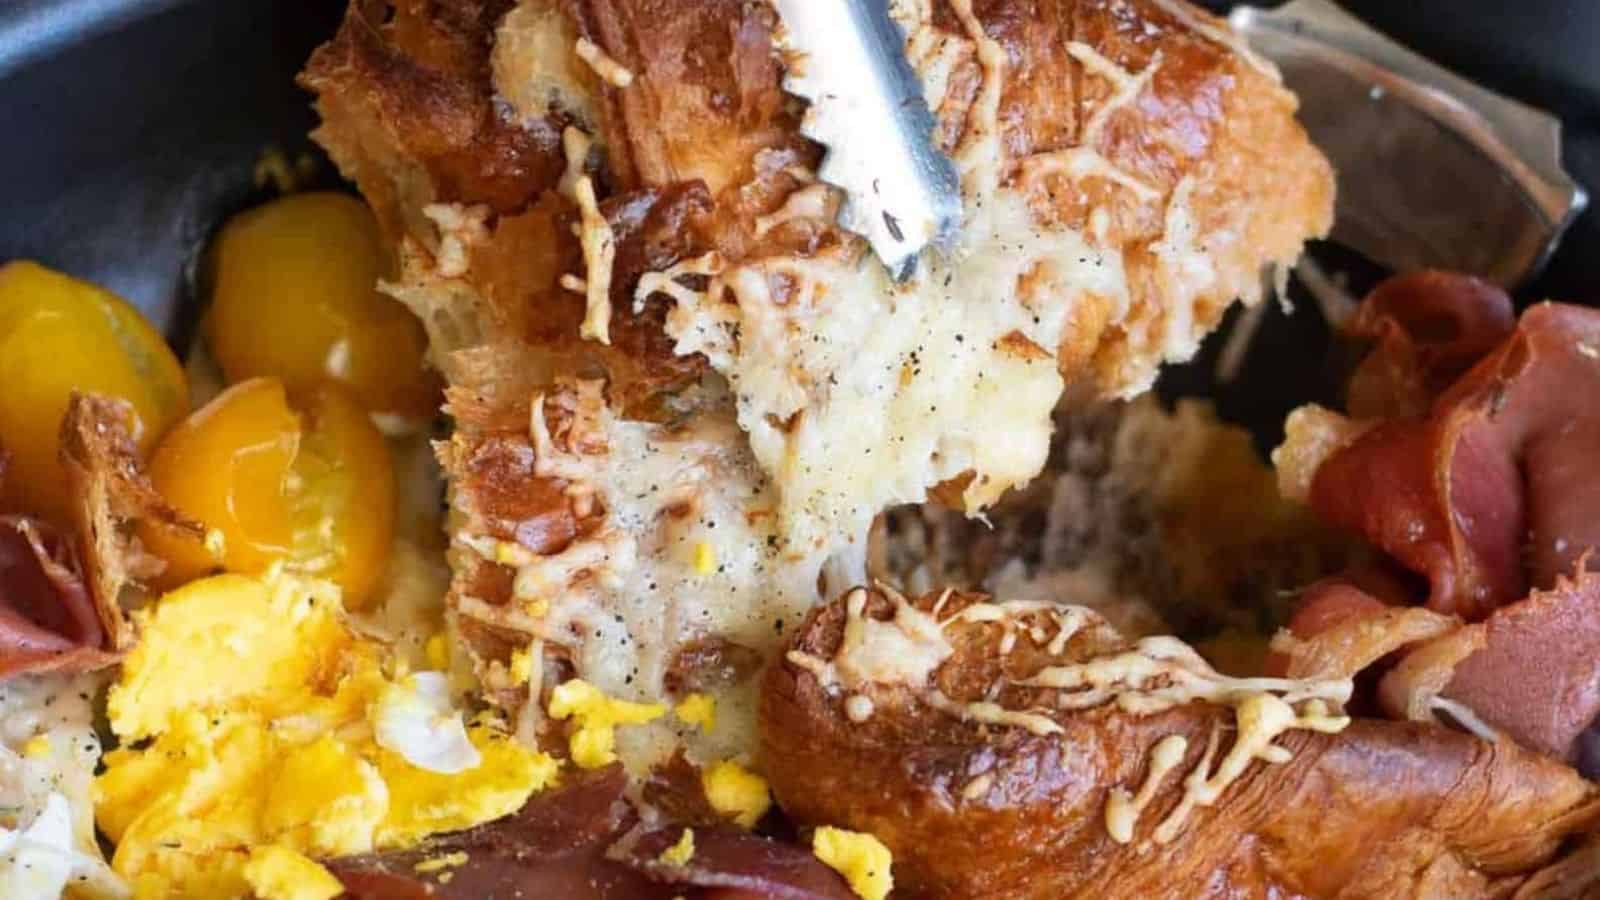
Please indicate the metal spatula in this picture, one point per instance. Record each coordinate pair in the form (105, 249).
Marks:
(848, 58)
(1434, 171)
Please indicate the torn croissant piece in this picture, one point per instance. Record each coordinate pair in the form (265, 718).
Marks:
(110, 494)
(62, 593)
(1477, 481)
(657, 340)
(1020, 750)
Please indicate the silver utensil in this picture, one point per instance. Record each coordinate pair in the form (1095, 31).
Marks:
(1434, 170)
(847, 57)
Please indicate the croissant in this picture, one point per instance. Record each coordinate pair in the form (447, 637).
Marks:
(662, 354)
(1028, 750)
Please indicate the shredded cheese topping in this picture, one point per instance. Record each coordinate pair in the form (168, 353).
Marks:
(1155, 674)
(1086, 160)
(906, 650)
(609, 70)
(594, 234)
(858, 394)
(683, 507)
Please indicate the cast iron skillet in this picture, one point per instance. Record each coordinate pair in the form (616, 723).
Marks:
(129, 129)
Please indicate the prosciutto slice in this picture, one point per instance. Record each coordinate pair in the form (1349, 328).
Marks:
(1476, 475)
(1500, 458)
(61, 588)
(583, 842)
(47, 619)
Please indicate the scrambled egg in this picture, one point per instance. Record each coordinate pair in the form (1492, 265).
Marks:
(699, 710)
(862, 859)
(681, 852)
(705, 558)
(252, 716)
(593, 742)
(736, 792)
(277, 873)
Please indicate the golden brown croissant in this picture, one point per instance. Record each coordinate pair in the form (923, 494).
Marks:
(611, 225)
(1029, 751)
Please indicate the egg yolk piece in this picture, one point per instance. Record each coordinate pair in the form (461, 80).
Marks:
(58, 335)
(294, 295)
(312, 485)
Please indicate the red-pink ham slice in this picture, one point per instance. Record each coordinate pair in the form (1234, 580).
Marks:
(1479, 478)
(48, 620)
(1498, 461)
(1428, 328)
(1537, 677)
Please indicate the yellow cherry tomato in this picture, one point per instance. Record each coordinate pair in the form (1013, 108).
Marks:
(311, 484)
(58, 335)
(294, 295)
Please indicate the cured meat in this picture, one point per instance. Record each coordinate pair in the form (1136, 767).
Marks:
(47, 620)
(1498, 463)
(61, 591)
(580, 842)
(1477, 477)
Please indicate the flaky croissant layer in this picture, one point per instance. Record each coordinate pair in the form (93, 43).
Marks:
(1036, 753)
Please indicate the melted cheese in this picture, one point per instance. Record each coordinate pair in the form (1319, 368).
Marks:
(1156, 674)
(813, 202)
(985, 712)
(1163, 672)
(621, 601)
(855, 394)
(1261, 719)
(1185, 271)
(858, 394)
(1123, 809)
(906, 650)
(1086, 160)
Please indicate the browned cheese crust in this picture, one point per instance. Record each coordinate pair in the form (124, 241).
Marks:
(1382, 809)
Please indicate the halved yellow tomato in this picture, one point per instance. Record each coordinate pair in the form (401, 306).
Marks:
(59, 334)
(294, 295)
(310, 483)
